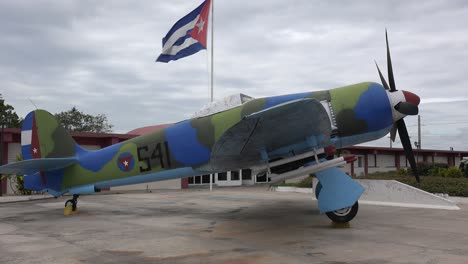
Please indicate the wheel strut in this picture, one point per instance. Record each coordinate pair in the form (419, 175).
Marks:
(71, 205)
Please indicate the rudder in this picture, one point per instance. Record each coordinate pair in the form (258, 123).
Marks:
(42, 136)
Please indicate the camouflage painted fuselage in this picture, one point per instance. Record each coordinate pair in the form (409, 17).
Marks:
(358, 113)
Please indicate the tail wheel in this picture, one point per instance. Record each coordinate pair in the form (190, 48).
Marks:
(344, 215)
(72, 203)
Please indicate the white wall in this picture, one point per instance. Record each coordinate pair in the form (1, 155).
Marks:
(440, 159)
(91, 147)
(228, 182)
(384, 163)
(14, 149)
(403, 161)
(346, 168)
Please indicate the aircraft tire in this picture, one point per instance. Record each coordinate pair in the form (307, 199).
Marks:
(72, 202)
(344, 215)
(318, 188)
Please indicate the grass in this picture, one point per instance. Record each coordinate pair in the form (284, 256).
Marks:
(432, 184)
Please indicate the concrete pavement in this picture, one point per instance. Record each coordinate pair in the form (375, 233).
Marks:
(228, 225)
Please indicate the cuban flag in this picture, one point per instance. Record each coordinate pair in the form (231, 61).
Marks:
(187, 36)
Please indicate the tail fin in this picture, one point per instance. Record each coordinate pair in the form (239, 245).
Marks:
(42, 136)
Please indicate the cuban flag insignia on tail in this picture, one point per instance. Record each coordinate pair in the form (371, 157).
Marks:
(30, 147)
(187, 36)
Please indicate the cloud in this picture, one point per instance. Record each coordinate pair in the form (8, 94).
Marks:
(100, 56)
(443, 100)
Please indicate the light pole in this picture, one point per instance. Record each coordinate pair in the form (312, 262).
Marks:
(418, 147)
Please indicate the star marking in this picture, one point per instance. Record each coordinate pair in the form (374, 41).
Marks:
(125, 163)
(200, 25)
(35, 150)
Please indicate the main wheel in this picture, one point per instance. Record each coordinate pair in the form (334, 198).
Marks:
(344, 215)
(318, 188)
(72, 203)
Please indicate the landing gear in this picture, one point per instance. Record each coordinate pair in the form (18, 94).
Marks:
(318, 188)
(339, 216)
(71, 205)
(344, 215)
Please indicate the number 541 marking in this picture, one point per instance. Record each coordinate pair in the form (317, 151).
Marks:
(157, 154)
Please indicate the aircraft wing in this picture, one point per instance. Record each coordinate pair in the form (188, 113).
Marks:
(31, 166)
(303, 121)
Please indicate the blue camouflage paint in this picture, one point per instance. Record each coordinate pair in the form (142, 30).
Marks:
(184, 145)
(156, 176)
(33, 182)
(53, 181)
(97, 159)
(338, 190)
(374, 107)
(276, 100)
(341, 142)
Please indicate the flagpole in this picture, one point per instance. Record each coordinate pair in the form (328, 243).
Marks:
(211, 77)
(212, 27)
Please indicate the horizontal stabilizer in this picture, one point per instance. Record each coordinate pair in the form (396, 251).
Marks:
(35, 165)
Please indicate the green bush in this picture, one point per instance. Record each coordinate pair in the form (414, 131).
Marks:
(453, 172)
(451, 182)
(402, 171)
(434, 171)
(433, 184)
(442, 172)
(429, 169)
(18, 180)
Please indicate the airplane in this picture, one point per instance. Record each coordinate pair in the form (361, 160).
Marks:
(301, 129)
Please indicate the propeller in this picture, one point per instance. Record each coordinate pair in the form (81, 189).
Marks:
(410, 107)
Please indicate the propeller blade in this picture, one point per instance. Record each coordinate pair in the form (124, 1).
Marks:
(407, 108)
(391, 80)
(405, 141)
(393, 132)
(384, 83)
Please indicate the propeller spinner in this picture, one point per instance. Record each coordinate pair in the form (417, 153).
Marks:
(405, 103)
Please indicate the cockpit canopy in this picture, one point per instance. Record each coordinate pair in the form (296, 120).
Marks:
(221, 105)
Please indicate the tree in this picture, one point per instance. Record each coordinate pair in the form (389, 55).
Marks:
(75, 120)
(8, 115)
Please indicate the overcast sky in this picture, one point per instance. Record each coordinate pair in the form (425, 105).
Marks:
(99, 56)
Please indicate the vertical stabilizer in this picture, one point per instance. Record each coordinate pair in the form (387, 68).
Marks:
(42, 136)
